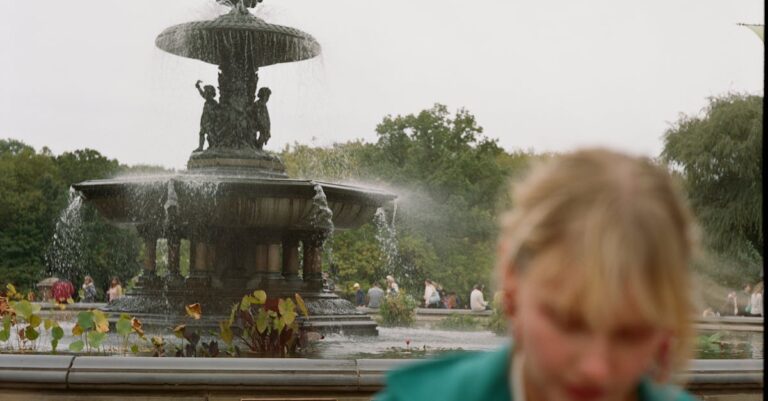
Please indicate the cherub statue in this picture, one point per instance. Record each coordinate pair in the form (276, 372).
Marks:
(208, 119)
(261, 115)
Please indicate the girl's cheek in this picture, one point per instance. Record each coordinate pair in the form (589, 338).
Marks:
(551, 347)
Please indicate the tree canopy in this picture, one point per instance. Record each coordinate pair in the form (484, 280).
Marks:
(719, 155)
(41, 233)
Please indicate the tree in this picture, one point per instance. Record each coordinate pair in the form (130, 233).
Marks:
(31, 195)
(719, 156)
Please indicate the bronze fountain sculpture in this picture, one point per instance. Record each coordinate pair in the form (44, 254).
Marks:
(249, 225)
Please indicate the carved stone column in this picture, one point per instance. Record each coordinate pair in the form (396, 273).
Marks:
(258, 264)
(150, 256)
(313, 263)
(273, 261)
(291, 258)
(174, 257)
(200, 262)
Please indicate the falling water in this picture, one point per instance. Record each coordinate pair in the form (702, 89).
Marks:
(64, 257)
(386, 236)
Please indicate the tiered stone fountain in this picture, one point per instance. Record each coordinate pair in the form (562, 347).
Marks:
(249, 225)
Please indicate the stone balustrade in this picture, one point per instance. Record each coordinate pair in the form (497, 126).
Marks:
(68, 377)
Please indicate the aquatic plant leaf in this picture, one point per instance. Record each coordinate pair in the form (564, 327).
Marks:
(136, 326)
(245, 303)
(57, 333)
(5, 335)
(77, 346)
(101, 321)
(194, 311)
(285, 306)
(123, 327)
(77, 330)
(54, 345)
(23, 309)
(31, 334)
(260, 297)
(135, 349)
(302, 305)
(35, 320)
(226, 334)
(47, 324)
(289, 317)
(261, 321)
(70, 301)
(95, 338)
(11, 290)
(85, 320)
(280, 324)
(7, 320)
(178, 331)
(193, 337)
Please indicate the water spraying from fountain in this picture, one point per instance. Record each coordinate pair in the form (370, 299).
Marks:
(248, 225)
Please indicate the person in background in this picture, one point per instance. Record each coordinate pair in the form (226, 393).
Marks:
(89, 290)
(476, 301)
(359, 295)
(591, 317)
(62, 291)
(756, 301)
(115, 291)
(392, 287)
(730, 307)
(450, 301)
(375, 293)
(743, 300)
(431, 296)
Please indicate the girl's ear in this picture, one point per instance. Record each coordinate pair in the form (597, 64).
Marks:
(509, 289)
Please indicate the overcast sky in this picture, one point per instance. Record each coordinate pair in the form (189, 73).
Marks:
(538, 74)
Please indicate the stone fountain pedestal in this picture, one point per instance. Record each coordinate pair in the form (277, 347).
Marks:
(249, 225)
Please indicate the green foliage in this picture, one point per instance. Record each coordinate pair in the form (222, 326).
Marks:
(33, 192)
(459, 322)
(449, 179)
(90, 330)
(497, 322)
(398, 310)
(719, 157)
(269, 327)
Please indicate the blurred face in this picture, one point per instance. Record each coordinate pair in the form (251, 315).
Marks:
(565, 357)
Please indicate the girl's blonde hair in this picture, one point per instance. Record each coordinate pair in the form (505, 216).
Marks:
(624, 227)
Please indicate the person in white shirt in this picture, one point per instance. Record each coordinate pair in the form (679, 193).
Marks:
(392, 287)
(431, 296)
(476, 301)
(756, 301)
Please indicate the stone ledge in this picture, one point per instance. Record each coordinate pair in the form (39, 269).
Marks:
(316, 375)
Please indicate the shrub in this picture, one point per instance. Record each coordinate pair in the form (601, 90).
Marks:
(498, 322)
(455, 321)
(268, 327)
(398, 310)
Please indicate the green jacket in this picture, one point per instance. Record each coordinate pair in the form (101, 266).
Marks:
(479, 376)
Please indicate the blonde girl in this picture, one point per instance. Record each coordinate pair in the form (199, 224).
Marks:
(593, 270)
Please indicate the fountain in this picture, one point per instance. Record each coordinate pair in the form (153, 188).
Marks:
(249, 225)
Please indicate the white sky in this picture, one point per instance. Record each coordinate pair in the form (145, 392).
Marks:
(538, 74)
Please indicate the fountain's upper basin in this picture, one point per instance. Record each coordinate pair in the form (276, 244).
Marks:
(261, 43)
(230, 201)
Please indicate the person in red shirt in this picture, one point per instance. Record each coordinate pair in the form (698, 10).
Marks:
(62, 290)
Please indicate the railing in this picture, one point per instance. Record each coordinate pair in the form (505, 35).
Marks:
(40, 374)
